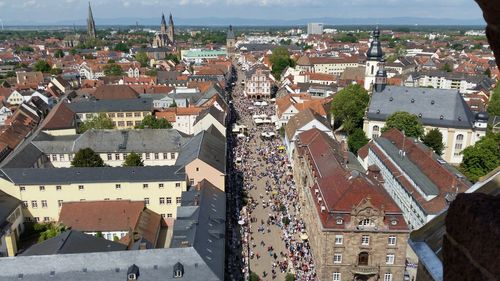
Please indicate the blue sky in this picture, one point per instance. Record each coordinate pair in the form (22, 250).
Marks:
(49, 11)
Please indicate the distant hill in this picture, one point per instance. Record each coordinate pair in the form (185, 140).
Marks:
(215, 21)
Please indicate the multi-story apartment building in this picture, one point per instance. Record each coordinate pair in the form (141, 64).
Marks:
(355, 230)
(418, 180)
(157, 147)
(445, 110)
(326, 65)
(314, 28)
(258, 84)
(125, 113)
(42, 191)
(438, 79)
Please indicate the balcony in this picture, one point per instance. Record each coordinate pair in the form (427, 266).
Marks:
(365, 270)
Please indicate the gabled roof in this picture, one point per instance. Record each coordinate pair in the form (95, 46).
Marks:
(219, 115)
(301, 119)
(125, 105)
(73, 242)
(62, 118)
(207, 147)
(200, 223)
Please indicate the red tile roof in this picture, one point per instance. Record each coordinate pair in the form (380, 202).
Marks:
(115, 92)
(61, 117)
(339, 188)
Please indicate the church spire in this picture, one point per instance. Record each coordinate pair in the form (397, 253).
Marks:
(91, 24)
(171, 29)
(163, 26)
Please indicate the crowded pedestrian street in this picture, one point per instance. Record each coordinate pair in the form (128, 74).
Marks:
(268, 236)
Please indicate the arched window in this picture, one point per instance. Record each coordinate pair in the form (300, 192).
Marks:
(459, 141)
(372, 69)
(365, 222)
(375, 131)
(363, 258)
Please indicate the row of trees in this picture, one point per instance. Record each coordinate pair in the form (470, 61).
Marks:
(87, 157)
(103, 122)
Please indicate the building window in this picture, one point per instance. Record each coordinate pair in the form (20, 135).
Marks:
(169, 200)
(111, 115)
(459, 140)
(44, 203)
(375, 131)
(54, 157)
(337, 276)
(117, 156)
(110, 157)
(37, 219)
(162, 200)
(25, 204)
(121, 123)
(61, 157)
(337, 258)
(118, 186)
(160, 185)
(197, 169)
(172, 155)
(59, 203)
(80, 187)
(177, 200)
(58, 187)
(191, 182)
(137, 114)
(145, 185)
(119, 115)
(146, 201)
(392, 240)
(130, 123)
(128, 114)
(22, 188)
(177, 184)
(165, 155)
(339, 239)
(389, 259)
(365, 222)
(46, 219)
(124, 155)
(388, 277)
(41, 187)
(169, 215)
(339, 221)
(363, 258)
(148, 156)
(365, 240)
(34, 204)
(157, 156)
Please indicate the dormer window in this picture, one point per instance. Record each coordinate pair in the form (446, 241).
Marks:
(340, 221)
(133, 272)
(365, 222)
(178, 270)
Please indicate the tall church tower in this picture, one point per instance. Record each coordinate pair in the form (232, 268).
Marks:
(374, 57)
(91, 24)
(230, 41)
(163, 26)
(171, 30)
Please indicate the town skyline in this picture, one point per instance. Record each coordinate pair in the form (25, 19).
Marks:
(330, 12)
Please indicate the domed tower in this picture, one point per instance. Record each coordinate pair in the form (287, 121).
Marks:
(373, 60)
(380, 78)
(230, 41)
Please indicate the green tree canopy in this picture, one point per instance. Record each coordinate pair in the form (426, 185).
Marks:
(289, 277)
(434, 140)
(58, 53)
(494, 104)
(133, 160)
(152, 122)
(253, 276)
(55, 71)
(348, 107)
(481, 158)
(446, 67)
(99, 122)
(280, 59)
(356, 140)
(405, 122)
(86, 157)
(113, 69)
(51, 230)
(122, 47)
(42, 65)
(142, 58)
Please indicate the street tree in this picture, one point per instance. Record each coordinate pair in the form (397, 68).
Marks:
(58, 53)
(280, 59)
(434, 140)
(99, 122)
(151, 122)
(86, 157)
(481, 158)
(348, 107)
(133, 160)
(405, 122)
(42, 65)
(142, 58)
(356, 140)
(113, 69)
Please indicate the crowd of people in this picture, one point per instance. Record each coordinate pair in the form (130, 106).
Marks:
(269, 231)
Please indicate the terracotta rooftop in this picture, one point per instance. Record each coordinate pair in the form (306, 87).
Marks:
(115, 92)
(339, 188)
(61, 117)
